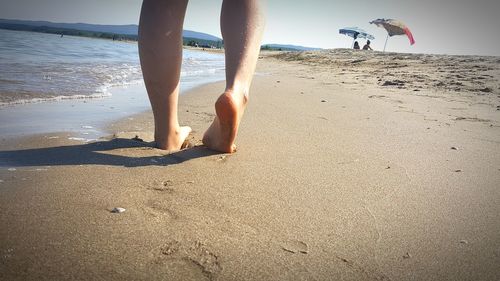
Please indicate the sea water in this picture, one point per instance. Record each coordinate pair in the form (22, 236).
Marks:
(50, 83)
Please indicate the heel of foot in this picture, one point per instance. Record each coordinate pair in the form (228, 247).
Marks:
(226, 109)
(221, 134)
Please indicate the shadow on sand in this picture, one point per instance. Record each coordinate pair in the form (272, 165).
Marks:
(95, 154)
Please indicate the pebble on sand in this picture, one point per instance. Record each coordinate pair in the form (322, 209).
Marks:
(137, 138)
(221, 158)
(118, 210)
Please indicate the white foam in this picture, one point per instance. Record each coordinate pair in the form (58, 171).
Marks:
(55, 99)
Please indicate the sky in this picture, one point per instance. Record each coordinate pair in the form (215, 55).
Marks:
(439, 26)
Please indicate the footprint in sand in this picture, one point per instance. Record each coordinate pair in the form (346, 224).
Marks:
(170, 248)
(167, 186)
(295, 246)
(163, 186)
(189, 259)
(160, 209)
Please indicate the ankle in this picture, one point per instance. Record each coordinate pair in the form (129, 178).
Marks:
(238, 93)
(166, 138)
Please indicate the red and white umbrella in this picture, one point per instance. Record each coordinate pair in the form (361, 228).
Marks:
(394, 27)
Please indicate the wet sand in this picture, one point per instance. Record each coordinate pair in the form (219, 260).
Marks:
(350, 166)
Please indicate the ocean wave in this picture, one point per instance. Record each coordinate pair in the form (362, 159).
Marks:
(198, 72)
(55, 99)
(56, 69)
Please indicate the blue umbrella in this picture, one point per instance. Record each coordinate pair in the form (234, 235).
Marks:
(356, 33)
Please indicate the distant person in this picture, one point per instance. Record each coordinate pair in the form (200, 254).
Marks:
(356, 45)
(160, 52)
(367, 46)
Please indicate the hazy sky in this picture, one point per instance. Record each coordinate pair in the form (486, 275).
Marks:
(439, 26)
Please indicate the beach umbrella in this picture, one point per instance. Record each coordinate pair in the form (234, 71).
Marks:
(356, 33)
(394, 27)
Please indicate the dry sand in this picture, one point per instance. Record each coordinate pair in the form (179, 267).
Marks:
(351, 166)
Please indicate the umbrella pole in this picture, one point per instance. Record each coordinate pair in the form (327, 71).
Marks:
(387, 38)
(353, 40)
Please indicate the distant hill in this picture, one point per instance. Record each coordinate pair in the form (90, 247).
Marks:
(125, 32)
(129, 29)
(283, 47)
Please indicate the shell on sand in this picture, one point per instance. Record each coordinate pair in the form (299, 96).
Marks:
(118, 210)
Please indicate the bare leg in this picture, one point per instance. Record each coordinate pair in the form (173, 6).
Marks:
(242, 24)
(160, 51)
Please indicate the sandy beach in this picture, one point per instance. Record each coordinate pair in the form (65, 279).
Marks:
(350, 166)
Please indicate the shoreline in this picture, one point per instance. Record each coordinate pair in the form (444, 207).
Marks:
(48, 89)
(82, 117)
(91, 119)
(336, 177)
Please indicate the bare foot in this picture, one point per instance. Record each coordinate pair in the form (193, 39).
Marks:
(221, 134)
(175, 141)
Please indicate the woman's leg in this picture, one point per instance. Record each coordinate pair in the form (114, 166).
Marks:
(160, 52)
(242, 24)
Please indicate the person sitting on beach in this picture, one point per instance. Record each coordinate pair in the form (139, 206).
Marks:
(356, 45)
(160, 53)
(367, 46)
